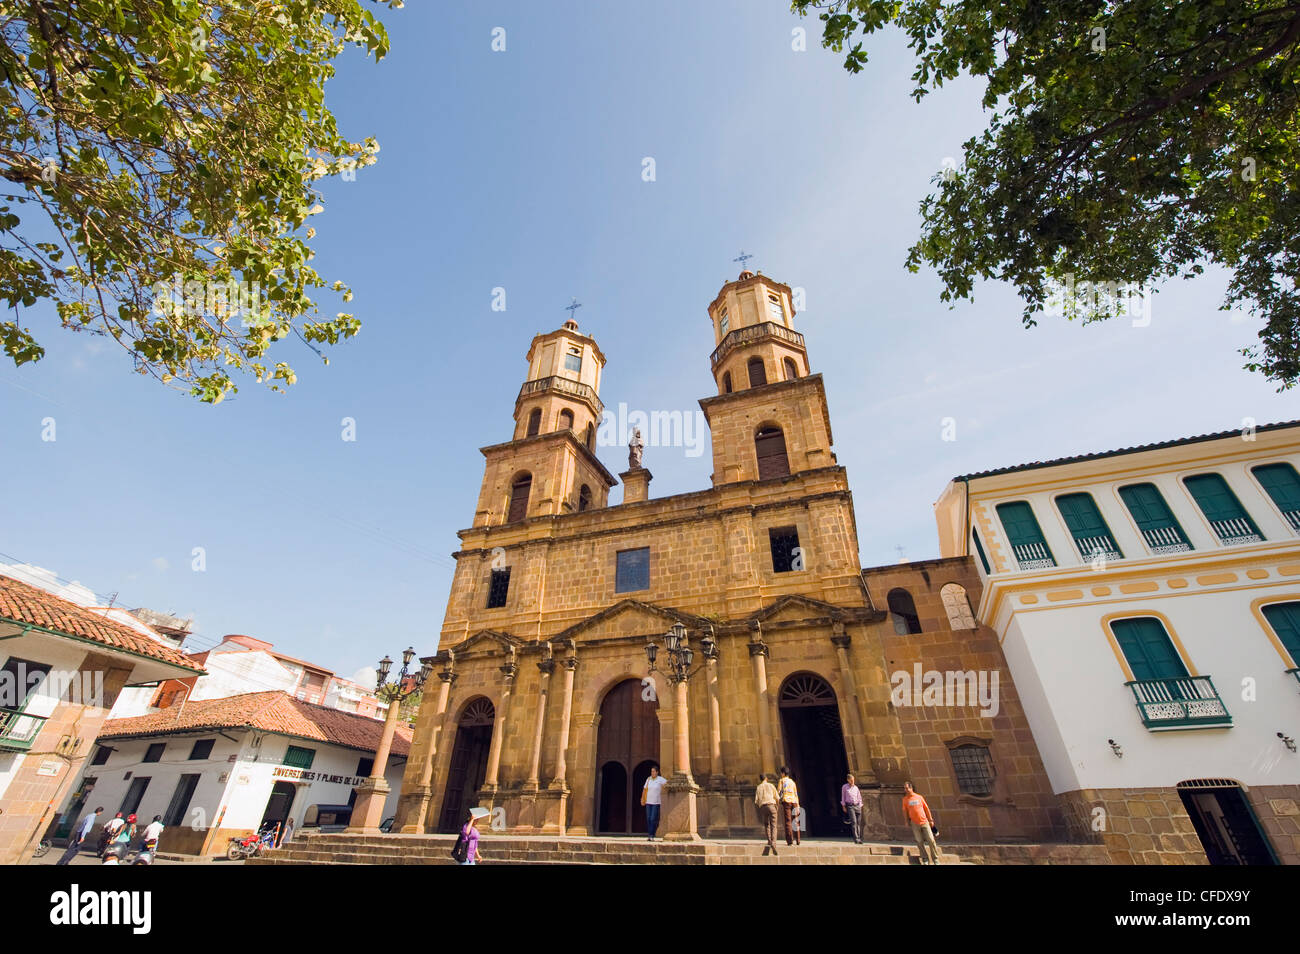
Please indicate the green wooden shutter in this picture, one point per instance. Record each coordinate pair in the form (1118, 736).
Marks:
(1026, 538)
(1283, 485)
(1149, 650)
(1221, 507)
(1154, 518)
(1285, 620)
(979, 548)
(1087, 526)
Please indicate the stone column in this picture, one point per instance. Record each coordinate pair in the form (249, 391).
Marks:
(758, 657)
(545, 668)
(372, 794)
(490, 778)
(413, 807)
(859, 754)
(716, 800)
(680, 814)
(555, 800)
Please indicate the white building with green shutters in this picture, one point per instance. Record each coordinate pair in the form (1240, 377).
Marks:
(1148, 604)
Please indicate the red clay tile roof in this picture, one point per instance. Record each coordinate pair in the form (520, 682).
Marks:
(273, 711)
(24, 603)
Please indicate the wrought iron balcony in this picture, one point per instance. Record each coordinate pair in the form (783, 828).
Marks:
(565, 386)
(1296, 673)
(18, 730)
(752, 333)
(1293, 518)
(1098, 548)
(1033, 556)
(1235, 531)
(1185, 703)
(1164, 540)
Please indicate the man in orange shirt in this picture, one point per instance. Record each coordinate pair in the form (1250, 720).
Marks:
(917, 813)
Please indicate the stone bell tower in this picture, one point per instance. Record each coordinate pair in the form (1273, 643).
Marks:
(549, 467)
(769, 418)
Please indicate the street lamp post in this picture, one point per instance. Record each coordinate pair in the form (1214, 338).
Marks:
(680, 823)
(372, 794)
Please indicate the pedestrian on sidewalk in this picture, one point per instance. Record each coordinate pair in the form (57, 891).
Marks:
(918, 816)
(851, 804)
(79, 835)
(652, 797)
(788, 795)
(765, 799)
(469, 833)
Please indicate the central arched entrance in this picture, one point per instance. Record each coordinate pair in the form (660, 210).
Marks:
(627, 744)
(468, 762)
(814, 749)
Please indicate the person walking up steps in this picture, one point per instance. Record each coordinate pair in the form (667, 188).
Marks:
(788, 794)
(765, 799)
(851, 803)
(652, 797)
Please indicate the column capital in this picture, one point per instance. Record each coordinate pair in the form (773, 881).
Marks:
(547, 666)
(757, 647)
(448, 676)
(841, 640)
(571, 663)
(509, 670)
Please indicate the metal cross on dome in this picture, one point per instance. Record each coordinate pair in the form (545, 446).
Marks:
(743, 258)
(572, 307)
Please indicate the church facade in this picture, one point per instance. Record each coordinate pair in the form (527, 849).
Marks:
(548, 707)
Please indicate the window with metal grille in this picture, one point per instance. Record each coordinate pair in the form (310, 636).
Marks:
(1026, 539)
(101, 755)
(202, 749)
(974, 768)
(155, 752)
(632, 570)
(1282, 485)
(769, 445)
(1154, 519)
(757, 373)
(297, 757)
(498, 588)
(519, 491)
(573, 361)
(1228, 518)
(786, 555)
(903, 611)
(1091, 534)
(774, 309)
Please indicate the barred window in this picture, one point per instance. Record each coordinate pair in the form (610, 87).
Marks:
(499, 588)
(632, 570)
(974, 768)
(786, 555)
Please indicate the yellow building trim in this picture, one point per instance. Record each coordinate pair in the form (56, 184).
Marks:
(1169, 631)
(1145, 586)
(1214, 579)
(1257, 607)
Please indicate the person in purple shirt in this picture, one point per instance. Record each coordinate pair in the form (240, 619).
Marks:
(470, 834)
(851, 805)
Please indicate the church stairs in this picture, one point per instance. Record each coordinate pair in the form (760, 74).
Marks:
(314, 848)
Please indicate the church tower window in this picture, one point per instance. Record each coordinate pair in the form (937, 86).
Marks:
(723, 323)
(584, 498)
(785, 549)
(566, 420)
(726, 383)
(534, 422)
(591, 437)
(791, 372)
(774, 309)
(573, 361)
(772, 460)
(498, 588)
(757, 373)
(519, 498)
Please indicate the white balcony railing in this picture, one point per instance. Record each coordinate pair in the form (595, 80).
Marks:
(1164, 540)
(1033, 556)
(1098, 548)
(1235, 531)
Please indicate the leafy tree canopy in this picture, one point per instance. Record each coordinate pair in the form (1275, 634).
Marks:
(1128, 142)
(161, 158)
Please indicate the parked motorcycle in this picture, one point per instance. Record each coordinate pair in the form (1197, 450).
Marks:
(252, 846)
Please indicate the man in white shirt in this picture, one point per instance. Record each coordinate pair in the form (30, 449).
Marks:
(652, 797)
(151, 833)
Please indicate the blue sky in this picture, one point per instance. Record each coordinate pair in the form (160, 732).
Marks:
(522, 169)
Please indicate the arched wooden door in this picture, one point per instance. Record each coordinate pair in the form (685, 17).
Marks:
(814, 749)
(627, 744)
(468, 762)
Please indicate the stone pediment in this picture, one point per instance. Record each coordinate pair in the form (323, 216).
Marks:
(632, 618)
(795, 609)
(484, 641)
